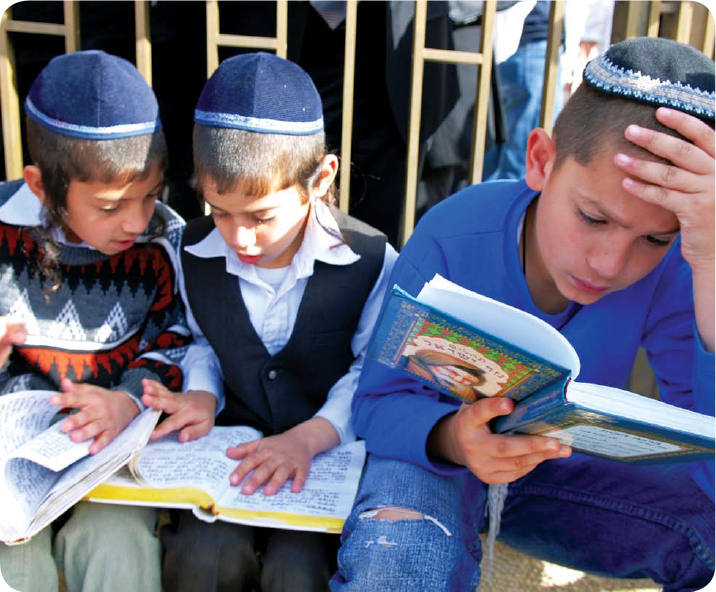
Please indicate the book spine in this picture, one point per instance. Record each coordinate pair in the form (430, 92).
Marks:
(532, 408)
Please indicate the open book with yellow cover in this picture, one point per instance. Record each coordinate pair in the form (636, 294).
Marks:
(195, 476)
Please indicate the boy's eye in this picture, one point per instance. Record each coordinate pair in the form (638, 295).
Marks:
(109, 210)
(657, 242)
(588, 219)
(265, 220)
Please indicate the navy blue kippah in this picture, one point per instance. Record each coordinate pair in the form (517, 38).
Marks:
(93, 95)
(260, 92)
(658, 71)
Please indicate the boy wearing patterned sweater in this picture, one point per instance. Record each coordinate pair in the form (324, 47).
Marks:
(87, 298)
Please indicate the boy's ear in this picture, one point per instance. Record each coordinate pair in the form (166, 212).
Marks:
(541, 154)
(329, 170)
(33, 178)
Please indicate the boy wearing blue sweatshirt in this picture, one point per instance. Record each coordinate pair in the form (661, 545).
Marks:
(610, 239)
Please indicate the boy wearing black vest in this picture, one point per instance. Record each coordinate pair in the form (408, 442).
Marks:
(282, 291)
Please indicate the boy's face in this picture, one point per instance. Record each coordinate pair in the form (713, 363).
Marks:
(265, 231)
(593, 237)
(110, 216)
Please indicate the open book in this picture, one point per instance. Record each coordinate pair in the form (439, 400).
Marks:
(471, 346)
(195, 475)
(43, 472)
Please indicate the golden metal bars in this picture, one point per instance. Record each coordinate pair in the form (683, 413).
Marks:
(215, 38)
(421, 54)
(9, 99)
(551, 68)
(349, 66)
(143, 43)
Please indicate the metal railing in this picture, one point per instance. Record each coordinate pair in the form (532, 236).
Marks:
(685, 21)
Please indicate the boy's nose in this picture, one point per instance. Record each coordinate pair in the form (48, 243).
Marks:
(136, 221)
(610, 259)
(245, 237)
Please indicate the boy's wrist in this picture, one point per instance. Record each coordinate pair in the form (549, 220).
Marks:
(317, 434)
(440, 445)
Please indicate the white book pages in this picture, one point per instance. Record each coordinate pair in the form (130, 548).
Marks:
(501, 320)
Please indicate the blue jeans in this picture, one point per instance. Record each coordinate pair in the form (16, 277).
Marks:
(521, 81)
(586, 513)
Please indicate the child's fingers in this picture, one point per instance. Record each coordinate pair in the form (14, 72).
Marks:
(675, 201)
(481, 412)
(67, 385)
(662, 175)
(100, 442)
(81, 418)
(262, 473)
(688, 126)
(242, 450)
(72, 399)
(299, 480)
(195, 431)
(89, 430)
(5, 351)
(12, 331)
(279, 477)
(682, 153)
(247, 465)
(152, 387)
(167, 402)
(169, 425)
(509, 446)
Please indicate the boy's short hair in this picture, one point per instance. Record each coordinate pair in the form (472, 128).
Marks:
(626, 85)
(256, 163)
(258, 126)
(92, 116)
(63, 158)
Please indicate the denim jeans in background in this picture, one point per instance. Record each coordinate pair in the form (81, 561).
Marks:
(591, 514)
(521, 80)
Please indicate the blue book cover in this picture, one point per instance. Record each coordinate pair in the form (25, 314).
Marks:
(456, 357)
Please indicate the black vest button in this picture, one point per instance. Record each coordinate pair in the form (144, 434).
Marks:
(272, 374)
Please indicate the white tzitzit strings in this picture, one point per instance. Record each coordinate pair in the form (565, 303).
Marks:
(496, 496)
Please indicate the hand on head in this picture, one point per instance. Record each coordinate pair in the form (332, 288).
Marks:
(686, 188)
(465, 438)
(192, 412)
(102, 414)
(12, 332)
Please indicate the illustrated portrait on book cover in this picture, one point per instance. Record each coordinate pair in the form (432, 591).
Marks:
(457, 368)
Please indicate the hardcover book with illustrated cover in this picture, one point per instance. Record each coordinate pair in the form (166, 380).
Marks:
(470, 346)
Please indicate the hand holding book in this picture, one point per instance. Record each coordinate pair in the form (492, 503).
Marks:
(468, 330)
(465, 438)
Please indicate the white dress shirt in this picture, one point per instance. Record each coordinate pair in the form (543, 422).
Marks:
(272, 298)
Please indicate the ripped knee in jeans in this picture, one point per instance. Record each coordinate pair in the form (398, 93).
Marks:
(396, 513)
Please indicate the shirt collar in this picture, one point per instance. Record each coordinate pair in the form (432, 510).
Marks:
(24, 208)
(319, 244)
